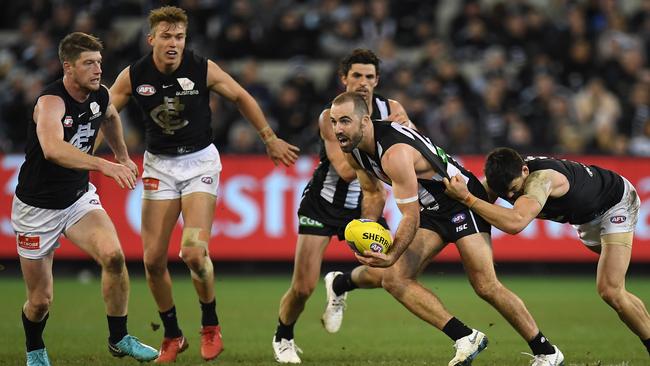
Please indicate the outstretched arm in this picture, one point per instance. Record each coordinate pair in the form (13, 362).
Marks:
(511, 220)
(398, 164)
(223, 84)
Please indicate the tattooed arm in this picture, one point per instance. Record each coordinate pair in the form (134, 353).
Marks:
(538, 187)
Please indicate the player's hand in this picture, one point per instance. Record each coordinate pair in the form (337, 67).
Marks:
(456, 187)
(129, 164)
(123, 175)
(282, 152)
(373, 259)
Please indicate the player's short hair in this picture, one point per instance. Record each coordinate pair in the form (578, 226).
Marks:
(502, 166)
(72, 45)
(359, 56)
(169, 14)
(360, 105)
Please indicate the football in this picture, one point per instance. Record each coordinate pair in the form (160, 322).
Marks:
(362, 235)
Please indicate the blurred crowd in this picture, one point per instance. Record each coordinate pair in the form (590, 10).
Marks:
(554, 76)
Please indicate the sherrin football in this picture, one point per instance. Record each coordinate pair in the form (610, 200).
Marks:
(363, 234)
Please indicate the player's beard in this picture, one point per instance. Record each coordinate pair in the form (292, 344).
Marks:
(355, 140)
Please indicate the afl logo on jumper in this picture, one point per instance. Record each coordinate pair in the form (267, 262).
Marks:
(617, 219)
(146, 90)
(67, 121)
(206, 180)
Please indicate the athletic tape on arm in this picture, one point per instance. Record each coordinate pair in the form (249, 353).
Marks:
(403, 201)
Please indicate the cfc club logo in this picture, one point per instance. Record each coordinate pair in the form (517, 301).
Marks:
(458, 218)
(206, 180)
(146, 90)
(617, 219)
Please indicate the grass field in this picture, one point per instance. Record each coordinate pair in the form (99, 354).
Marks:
(376, 330)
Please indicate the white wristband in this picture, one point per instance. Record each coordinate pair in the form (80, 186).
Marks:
(402, 201)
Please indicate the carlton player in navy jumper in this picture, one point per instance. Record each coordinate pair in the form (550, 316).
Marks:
(414, 167)
(331, 199)
(600, 204)
(54, 195)
(181, 165)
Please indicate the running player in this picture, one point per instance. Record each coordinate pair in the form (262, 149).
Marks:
(54, 195)
(181, 165)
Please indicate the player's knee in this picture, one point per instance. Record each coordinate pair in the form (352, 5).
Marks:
(155, 267)
(486, 289)
(195, 260)
(394, 284)
(40, 304)
(113, 261)
(202, 270)
(302, 290)
(612, 295)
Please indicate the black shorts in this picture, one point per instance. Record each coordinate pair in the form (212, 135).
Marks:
(457, 221)
(316, 216)
(456, 226)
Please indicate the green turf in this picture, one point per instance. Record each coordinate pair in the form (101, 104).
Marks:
(376, 331)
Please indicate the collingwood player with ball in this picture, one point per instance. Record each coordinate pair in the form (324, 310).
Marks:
(414, 167)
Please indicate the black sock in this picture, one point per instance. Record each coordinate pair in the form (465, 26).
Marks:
(116, 328)
(455, 329)
(209, 313)
(343, 283)
(646, 343)
(170, 323)
(34, 332)
(284, 331)
(540, 345)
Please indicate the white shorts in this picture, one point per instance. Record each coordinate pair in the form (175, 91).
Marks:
(621, 218)
(38, 229)
(167, 177)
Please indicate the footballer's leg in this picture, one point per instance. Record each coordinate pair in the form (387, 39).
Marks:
(37, 274)
(306, 272)
(400, 280)
(614, 260)
(198, 215)
(95, 234)
(476, 254)
(159, 216)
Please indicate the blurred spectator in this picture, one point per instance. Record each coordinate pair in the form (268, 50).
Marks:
(600, 110)
(378, 25)
(534, 108)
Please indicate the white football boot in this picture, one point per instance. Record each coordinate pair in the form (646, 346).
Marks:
(286, 351)
(468, 347)
(333, 315)
(554, 359)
